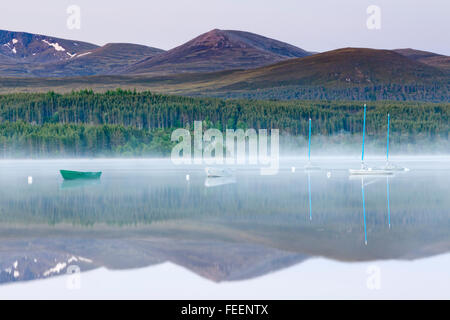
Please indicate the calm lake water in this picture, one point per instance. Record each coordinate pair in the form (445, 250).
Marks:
(145, 231)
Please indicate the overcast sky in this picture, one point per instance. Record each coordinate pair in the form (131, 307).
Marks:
(315, 25)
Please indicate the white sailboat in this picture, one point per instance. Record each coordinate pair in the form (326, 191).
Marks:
(366, 171)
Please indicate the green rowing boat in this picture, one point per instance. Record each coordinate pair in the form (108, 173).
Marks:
(74, 175)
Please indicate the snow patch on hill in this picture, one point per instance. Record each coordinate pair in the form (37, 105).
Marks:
(57, 269)
(83, 54)
(54, 45)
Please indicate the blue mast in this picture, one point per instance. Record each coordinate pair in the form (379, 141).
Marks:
(364, 135)
(309, 142)
(309, 194)
(364, 211)
(387, 148)
(388, 205)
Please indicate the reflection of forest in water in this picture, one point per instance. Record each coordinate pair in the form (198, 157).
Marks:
(246, 228)
(418, 203)
(415, 199)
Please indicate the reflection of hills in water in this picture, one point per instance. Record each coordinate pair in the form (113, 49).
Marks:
(231, 232)
(216, 260)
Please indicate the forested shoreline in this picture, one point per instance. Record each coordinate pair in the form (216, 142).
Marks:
(391, 92)
(130, 123)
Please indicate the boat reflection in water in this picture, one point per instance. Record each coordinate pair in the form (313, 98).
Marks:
(372, 180)
(219, 181)
(72, 184)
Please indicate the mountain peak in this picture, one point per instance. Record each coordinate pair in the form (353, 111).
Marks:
(217, 39)
(218, 50)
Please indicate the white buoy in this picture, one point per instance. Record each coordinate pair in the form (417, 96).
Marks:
(293, 169)
(188, 177)
(30, 180)
(328, 174)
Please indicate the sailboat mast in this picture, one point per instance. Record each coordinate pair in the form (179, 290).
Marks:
(309, 141)
(388, 204)
(364, 135)
(387, 147)
(309, 195)
(364, 210)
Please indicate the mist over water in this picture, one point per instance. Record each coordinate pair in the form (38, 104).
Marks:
(341, 145)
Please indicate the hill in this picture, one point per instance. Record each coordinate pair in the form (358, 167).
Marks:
(32, 55)
(23, 47)
(429, 58)
(103, 60)
(223, 63)
(348, 66)
(218, 50)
